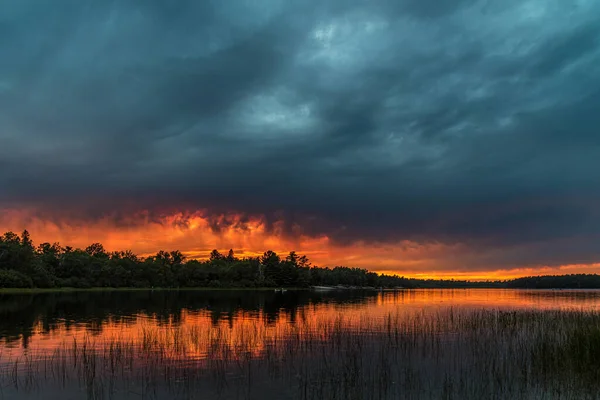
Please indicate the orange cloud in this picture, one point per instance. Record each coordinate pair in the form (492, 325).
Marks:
(194, 235)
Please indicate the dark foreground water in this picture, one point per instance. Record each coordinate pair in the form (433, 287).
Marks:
(413, 344)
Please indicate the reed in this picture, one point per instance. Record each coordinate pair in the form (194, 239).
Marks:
(449, 354)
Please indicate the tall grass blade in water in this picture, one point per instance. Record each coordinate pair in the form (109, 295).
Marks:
(448, 354)
(383, 348)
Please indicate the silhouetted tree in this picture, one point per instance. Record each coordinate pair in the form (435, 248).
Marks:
(50, 265)
(216, 256)
(231, 256)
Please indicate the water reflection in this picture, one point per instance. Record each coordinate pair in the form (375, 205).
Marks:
(27, 318)
(427, 344)
(24, 316)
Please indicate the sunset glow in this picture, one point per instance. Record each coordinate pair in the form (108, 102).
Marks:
(193, 234)
(380, 136)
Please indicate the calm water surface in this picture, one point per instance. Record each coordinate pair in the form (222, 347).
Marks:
(243, 344)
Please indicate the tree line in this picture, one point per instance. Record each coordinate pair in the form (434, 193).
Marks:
(23, 265)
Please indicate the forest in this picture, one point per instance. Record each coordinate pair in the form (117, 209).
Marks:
(23, 265)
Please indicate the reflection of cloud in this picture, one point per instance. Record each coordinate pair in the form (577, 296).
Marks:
(197, 319)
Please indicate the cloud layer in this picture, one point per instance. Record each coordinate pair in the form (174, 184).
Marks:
(465, 123)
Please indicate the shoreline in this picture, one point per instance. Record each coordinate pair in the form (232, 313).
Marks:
(321, 289)
(108, 289)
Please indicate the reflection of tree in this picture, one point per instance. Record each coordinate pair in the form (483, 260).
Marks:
(20, 314)
(567, 296)
(18, 317)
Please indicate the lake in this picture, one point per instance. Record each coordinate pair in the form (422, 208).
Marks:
(410, 344)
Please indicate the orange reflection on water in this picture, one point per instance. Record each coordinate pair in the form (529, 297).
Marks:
(201, 334)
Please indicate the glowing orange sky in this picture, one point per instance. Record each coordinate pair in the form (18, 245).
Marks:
(191, 233)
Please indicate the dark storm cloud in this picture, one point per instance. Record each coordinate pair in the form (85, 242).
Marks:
(461, 121)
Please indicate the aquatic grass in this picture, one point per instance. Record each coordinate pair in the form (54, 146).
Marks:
(449, 354)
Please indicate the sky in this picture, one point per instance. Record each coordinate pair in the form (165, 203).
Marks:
(456, 138)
